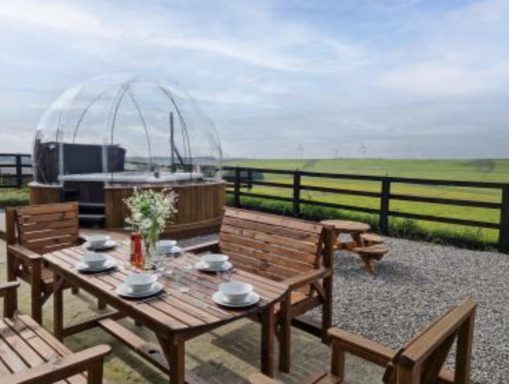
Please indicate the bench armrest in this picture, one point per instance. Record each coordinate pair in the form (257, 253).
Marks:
(90, 360)
(202, 247)
(306, 278)
(23, 253)
(7, 287)
(360, 346)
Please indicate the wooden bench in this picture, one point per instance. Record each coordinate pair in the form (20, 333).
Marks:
(419, 362)
(371, 239)
(30, 232)
(370, 253)
(31, 355)
(296, 252)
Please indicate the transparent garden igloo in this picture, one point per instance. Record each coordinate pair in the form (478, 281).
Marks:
(105, 136)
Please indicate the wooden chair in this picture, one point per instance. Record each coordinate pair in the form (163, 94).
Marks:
(419, 362)
(31, 355)
(293, 251)
(30, 232)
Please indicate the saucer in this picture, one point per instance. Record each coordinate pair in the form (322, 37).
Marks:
(220, 299)
(124, 291)
(108, 264)
(204, 267)
(110, 244)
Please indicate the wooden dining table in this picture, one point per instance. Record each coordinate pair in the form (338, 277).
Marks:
(174, 316)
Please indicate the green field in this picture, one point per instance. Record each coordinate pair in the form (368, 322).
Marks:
(472, 170)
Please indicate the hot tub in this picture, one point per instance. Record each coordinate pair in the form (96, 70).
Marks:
(133, 177)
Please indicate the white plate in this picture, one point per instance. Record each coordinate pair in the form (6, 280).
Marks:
(124, 290)
(108, 264)
(220, 299)
(203, 266)
(110, 244)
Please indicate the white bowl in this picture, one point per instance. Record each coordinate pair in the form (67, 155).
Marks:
(140, 282)
(235, 291)
(98, 240)
(214, 260)
(166, 246)
(94, 259)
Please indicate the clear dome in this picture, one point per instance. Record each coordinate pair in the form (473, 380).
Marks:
(122, 126)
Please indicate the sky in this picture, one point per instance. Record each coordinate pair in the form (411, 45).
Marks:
(280, 79)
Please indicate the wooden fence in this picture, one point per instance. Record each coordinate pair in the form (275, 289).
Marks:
(13, 170)
(241, 177)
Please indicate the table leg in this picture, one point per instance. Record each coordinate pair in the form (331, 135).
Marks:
(268, 320)
(356, 236)
(173, 348)
(58, 307)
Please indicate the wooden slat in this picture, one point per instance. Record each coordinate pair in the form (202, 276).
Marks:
(301, 225)
(301, 245)
(27, 236)
(37, 210)
(268, 247)
(48, 217)
(276, 230)
(50, 225)
(40, 346)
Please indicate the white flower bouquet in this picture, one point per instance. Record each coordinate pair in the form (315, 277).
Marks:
(150, 213)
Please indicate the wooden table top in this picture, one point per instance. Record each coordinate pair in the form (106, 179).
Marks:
(174, 310)
(347, 226)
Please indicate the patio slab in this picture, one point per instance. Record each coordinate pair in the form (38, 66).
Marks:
(226, 355)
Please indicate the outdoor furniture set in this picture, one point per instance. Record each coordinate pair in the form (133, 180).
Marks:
(288, 262)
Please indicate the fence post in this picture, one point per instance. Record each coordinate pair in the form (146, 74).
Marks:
(503, 234)
(383, 223)
(19, 171)
(296, 194)
(236, 188)
(249, 179)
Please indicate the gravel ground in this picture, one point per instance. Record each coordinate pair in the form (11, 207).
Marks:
(415, 283)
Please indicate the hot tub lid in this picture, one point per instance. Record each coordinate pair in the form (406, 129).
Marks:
(134, 177)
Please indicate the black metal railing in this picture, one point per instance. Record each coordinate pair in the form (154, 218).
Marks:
(241, 178)
(15, 170)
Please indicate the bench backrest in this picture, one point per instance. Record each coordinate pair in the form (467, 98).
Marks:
(43, 228)
(273, 246)
(422, 359)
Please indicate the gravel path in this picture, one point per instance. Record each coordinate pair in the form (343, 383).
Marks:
(415, 283)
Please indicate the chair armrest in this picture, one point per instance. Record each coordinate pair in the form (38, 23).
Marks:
(23, 253)
(360, 346)
(259, 378)
(6, 287)
(202, 247)
(65, 367)
(306, 278)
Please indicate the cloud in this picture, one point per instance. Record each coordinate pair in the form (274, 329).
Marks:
(325, 74)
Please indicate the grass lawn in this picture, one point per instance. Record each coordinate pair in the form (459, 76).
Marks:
(12, 197)
(472, 170)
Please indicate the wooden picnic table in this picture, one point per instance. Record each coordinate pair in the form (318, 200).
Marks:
(174, 317)
(353, 228)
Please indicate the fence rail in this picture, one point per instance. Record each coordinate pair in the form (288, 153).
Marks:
(14, 161)
(242, 178)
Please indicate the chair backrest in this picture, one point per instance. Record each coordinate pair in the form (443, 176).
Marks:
(422, 359)
(43, 228)
(273, 246)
